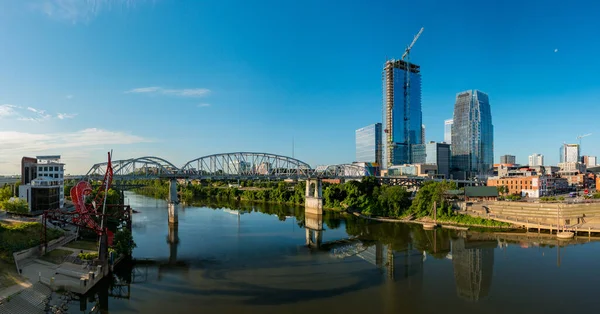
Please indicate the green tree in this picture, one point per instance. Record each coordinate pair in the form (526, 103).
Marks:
(123, 242)
(394, 200)
(15, 205)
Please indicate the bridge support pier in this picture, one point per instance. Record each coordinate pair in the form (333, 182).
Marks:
(173, 217)
(313, 203)
(173, 198)
(313, 224)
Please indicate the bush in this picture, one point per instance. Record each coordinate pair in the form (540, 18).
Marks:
(87, 256)
(15, 205)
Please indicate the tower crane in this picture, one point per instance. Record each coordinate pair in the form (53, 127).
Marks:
(406, 55)
(579, 138)
(582, 136)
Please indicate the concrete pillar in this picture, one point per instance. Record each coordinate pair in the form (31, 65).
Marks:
(173, 198)
(173, 218)
(314, 197)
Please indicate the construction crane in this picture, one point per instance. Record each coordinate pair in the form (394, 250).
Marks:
(582, 136)
(407, 52)
(579, 138)
(406, 55)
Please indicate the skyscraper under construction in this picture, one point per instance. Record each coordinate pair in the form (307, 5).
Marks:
(402, 116)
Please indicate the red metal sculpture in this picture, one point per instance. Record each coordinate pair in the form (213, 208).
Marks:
(86, 211)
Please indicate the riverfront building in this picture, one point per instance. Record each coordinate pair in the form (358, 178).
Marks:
(472, 135)
(42, 182)
(368, 144)
(402, 117)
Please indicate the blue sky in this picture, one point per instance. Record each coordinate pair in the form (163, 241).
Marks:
(183, 79)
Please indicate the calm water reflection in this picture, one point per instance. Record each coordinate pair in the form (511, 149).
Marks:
(273, 259)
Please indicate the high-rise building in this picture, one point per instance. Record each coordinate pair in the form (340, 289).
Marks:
(433, 153)
(472, 134)
(368, 144)
(423, 134)
(402, 117)
(589, 161)
(508, 159)
(536, 160)
(569, 153)
(448, 131)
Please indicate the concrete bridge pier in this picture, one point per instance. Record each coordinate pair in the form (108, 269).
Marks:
(173, 217)
(173, 197)
(313, 203)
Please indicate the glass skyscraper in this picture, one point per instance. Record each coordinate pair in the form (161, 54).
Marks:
(368, 144)
(448, 131)
(402, 117)
(472, 134)
(433, 153)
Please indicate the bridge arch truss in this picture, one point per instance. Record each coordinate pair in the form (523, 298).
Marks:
(148, 166)
(246, 165)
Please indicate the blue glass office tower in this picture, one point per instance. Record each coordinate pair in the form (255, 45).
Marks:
(402, 117)
(368, 144)
(472, 134)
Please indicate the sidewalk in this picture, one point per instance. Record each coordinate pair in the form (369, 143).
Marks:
(29, 301)
(7, 292)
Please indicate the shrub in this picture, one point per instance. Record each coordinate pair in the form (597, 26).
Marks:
(15, 205)
(87, 256)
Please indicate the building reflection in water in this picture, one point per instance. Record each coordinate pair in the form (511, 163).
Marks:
(473, 264)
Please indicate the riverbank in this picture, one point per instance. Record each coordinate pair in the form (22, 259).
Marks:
(443, 223)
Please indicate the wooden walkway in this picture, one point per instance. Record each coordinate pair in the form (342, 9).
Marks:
(578, 229)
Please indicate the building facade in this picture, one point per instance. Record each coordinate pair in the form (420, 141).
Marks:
(569, 153)
(536, 160)
(402, 117)
(423, 133)
(508, 159)
(472, 134)
(589, 161)
(368, 144)
(433, 153)
(448, 131)
(42, 182)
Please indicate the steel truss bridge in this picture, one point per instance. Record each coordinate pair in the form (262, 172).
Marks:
(226, 166)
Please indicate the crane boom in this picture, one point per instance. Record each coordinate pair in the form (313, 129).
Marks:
(582, 136)
(407, 51)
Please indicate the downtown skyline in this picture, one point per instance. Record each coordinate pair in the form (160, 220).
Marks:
(180, 80)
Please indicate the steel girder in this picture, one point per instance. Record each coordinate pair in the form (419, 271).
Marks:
(148, 166)
(246, 164)
(343, 171)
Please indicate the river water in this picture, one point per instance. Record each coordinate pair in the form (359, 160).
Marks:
(255, 259)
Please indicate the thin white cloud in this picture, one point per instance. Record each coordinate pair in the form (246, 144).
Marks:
(82, 144)
(39, 115)
(63, 116)
(69, 97)
(7, 110)
(27, 143)
(79, 10)
(152, 89)
(29, 114)
(203, 105)
(185, 92)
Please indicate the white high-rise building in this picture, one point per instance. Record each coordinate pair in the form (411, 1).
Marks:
(569, 153)
(536, 160)
(448, 131)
